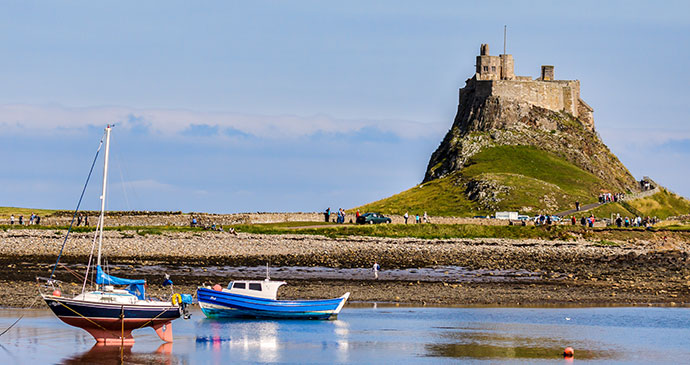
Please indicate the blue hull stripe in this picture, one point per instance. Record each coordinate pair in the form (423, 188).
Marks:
(260, 307)
(93, 310)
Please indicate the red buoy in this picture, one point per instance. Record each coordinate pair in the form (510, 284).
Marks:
(568, 352)
(56, 293)
(217, 287)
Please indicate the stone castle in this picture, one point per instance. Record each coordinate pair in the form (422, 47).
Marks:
(495, 77)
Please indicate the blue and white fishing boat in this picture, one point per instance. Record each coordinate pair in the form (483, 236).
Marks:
(258, 299)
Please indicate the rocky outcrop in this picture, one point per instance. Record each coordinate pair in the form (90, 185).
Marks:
(483, 121)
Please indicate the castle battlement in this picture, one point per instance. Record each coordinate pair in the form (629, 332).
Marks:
(495, 76)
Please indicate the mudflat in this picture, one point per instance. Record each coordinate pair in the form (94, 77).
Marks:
(504, 272)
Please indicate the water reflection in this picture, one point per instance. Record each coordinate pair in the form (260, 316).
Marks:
(369, 335)
(101, 354)
(467, 342)
(246, 338)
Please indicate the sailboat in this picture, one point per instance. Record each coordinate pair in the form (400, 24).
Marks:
(116, 306)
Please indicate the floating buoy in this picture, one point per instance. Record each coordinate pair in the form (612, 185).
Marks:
(56, 293)
(568, 352)
(217, 287)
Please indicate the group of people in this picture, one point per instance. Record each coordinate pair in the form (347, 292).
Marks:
(33, 219)
(340, 218)
(211, 226)
(584, 221)
(82, 218)
(611, 198)
(645, 185)
(542, 219)
(634, 222)
(417, 218)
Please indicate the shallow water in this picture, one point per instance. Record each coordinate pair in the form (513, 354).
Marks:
(374, 335)
(437, 273)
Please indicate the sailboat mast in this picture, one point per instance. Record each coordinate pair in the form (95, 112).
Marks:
(105, 181)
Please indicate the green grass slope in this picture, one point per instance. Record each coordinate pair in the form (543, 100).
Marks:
(6, 212)
(536, 180)
(662, 205)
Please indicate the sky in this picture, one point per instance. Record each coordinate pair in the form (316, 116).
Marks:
(225, 106)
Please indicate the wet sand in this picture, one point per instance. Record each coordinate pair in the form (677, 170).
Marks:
(550, 272)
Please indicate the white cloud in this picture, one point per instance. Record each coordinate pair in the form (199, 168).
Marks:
(22, 118)
(642, 137)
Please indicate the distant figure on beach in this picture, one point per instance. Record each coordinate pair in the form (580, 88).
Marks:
(583, 221)
(357, 215)
(232, 230)
(11, 219)
(376, 269)
(577, 206)
(194, 222)
(38, 220)
(426, 218)
(407, 215)
(573, 220)
(79, 218)
(21, 219)
(86, 220)
(31, 218)
(327, 214)
(416, 218)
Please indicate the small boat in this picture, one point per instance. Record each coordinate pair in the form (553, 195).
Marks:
(108, 313)
(258, 299)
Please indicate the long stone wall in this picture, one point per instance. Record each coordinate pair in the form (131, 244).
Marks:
(184, 219)
(553, 95)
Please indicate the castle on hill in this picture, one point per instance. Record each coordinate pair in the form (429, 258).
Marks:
(495, 76)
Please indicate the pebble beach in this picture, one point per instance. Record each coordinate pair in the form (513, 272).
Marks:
(532, 272)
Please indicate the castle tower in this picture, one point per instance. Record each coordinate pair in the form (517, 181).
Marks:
(494, 67)
(547, 73)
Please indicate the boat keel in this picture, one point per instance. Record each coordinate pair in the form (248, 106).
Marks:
(164, 331)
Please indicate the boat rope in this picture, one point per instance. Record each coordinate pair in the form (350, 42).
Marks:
(74, 216)
(18, 319)
(88, 265)
(74, 273)
(153, 319)
(86, 318)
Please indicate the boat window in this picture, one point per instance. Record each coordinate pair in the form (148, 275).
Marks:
(255, 286)
(238, 286)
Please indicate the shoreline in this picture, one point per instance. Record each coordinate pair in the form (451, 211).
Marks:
(561, 273)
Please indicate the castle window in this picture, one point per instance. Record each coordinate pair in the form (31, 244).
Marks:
(493, 68)
(486, 68)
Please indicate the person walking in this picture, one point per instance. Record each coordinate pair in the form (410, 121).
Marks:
(11, 219)
(86, 220)
(38, 220)
(31, 218)
(577, 206)
(79, 218)
(21, 220)
(407, 215)
(426, 218)
(376, 269)
(416, 218)
(327, 214)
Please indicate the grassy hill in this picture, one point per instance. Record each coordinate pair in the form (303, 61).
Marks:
(521, 178)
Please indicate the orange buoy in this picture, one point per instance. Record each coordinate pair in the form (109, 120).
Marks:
(568, 352)
(217, 287)
(56, 293)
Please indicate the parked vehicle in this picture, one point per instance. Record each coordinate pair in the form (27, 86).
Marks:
(372, 218)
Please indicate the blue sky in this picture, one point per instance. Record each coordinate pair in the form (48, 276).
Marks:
(302, 105)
